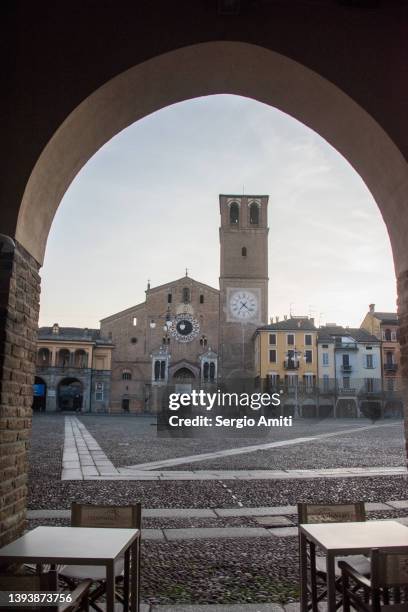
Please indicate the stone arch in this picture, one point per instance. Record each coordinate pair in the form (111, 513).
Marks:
(184, 373)
(81, 358)
(199, 70)
(205, 69)
(70, 394)
(43, 357)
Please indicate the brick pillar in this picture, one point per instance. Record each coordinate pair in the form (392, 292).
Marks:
(402, 286)
(19, 308)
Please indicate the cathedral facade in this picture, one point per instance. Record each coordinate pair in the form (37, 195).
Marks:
(187, 334)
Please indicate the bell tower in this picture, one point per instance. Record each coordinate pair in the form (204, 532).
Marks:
(243, 280)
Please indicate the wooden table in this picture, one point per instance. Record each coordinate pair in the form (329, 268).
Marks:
(345, 539)
(83, 546)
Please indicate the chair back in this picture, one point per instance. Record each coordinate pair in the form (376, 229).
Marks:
(389, 567)
(331, 513)
(29, 582)
(89, 515)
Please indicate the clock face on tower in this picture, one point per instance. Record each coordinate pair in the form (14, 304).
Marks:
(185, 328)
(243, 305)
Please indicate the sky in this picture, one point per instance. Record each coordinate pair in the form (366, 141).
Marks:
(145, 206)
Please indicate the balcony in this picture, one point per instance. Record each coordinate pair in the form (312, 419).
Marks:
(347, 392)
(390, 367)
(351, 346)
(346, 368)
(291, 364)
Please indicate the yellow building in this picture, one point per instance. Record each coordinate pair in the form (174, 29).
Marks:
(286, 361)
(73, 370)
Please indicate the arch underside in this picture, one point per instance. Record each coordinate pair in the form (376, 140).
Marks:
(206, 69)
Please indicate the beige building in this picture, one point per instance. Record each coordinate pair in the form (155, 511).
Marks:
(286, 360)
(73, 370)
(187, 334)
(385, 326)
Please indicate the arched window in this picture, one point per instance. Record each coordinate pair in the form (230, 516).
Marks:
(157, 370)
(387, 335)
(43, 357)
(206, 370)
(162, 370)
(212, 371)
(81, 359)
(254, 214)
(244, 251)
(126, 375)
(234, 214)
(186, 295)
(64, 358)
(201, 298)
(134, 321)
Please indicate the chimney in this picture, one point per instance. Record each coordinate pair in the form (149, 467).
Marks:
(312, 320)
(285, 317)
(277, 319)
(372, 308)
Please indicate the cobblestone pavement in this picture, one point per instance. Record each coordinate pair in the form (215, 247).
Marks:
(84, 459)
(131, 441)
(186, 574)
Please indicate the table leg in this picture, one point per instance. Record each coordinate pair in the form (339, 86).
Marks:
(110, 587)
(135, 575)
(303, 571)
(126, 579)
(331, 582)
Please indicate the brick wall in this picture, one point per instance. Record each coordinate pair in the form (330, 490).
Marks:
(19, 308)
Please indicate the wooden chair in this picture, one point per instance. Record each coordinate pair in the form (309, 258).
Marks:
(43, 583)
(330, 513)
(87, 515)
(385, 591)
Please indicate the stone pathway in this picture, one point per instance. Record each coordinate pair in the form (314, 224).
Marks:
(83, 459)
